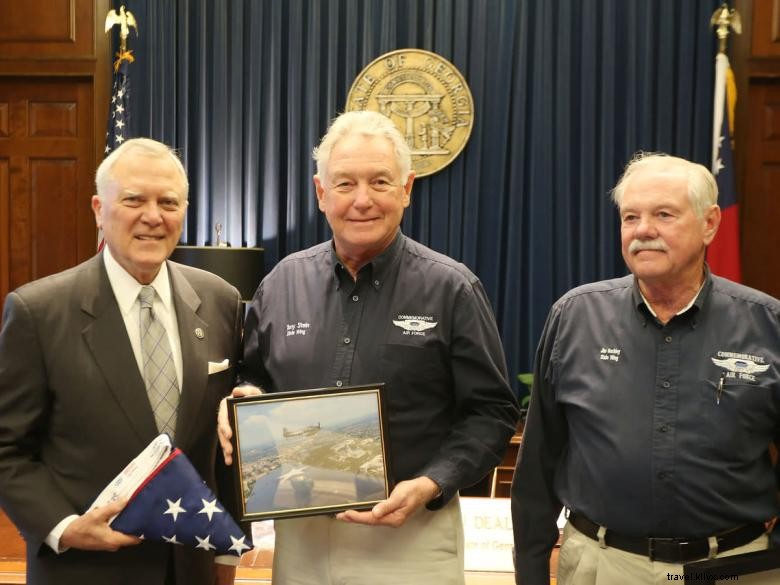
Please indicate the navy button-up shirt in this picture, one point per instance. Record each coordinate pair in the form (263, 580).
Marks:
(414, 319)
(645, 428)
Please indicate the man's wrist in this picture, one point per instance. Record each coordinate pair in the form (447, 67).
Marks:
(53, 538)
(435, 488)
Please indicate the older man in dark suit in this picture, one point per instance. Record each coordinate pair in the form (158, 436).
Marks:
(83, 389)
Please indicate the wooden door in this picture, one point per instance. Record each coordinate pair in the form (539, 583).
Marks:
(55, 69)
(760, 144)
(46, 170)
(54, 90)
(761, 203)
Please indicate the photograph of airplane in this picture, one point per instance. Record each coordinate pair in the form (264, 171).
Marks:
(312, 454)
(304, 432)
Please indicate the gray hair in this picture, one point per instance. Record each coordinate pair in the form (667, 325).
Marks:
(146, 147)
(364, 123)
(702, 188)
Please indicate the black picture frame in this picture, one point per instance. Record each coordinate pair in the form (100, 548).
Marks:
(310, 452)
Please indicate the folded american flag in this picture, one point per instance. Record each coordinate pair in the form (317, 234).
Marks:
(175, 505)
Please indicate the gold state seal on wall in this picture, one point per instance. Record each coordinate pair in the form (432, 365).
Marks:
(426, 97)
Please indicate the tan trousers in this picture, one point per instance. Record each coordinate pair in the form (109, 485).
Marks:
(583, 562)
(426, 550)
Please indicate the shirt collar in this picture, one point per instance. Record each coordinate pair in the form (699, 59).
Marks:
(698, 301)
(706, 288)
(377, 268)
(126, 288)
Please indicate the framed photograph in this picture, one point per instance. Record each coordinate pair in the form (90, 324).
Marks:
(310, 452)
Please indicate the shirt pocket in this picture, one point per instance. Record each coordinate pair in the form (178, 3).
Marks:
(741, 425)
(416, 379)
(410, 362)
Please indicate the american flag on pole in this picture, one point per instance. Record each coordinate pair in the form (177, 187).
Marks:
(723, 252)
(118, 130)
(119, 108)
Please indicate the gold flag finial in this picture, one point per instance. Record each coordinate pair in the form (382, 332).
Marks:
(125, 19)
(722, 19)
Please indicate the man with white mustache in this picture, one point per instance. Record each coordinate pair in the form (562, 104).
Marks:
(657, 244)
(655, 399)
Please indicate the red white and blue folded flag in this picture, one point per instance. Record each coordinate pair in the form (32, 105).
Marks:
(175, 505)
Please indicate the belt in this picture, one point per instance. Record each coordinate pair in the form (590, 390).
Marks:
(669, 550)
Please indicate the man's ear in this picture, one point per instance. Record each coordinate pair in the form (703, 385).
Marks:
(407, 196)
(97, 205)
(711, 224)
(319, 189)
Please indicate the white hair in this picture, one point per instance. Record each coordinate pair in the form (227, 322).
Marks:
(363, 123)
(146, 147)
(702, 188)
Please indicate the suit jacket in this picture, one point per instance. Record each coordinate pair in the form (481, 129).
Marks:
(74, 411)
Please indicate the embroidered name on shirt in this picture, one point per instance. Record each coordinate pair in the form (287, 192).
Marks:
(298, 328)
(611, 354)
(740, 365)
(415, 324)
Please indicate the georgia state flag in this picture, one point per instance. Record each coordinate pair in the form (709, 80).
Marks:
(175, 505)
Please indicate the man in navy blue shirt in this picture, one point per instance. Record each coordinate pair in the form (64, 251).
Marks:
(370, 306)
(655, 399)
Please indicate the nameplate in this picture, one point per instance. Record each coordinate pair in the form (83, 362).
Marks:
(487, 530)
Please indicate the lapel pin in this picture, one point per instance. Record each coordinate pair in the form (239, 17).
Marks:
(199, 333)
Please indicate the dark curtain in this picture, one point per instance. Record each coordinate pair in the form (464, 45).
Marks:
(565, 91)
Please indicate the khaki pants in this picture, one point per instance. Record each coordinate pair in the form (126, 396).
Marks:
(583, 562)
(426, 550)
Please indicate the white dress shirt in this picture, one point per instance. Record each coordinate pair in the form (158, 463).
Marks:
(126, 289)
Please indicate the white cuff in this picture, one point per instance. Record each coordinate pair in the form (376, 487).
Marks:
(53, 539)
(227, 560)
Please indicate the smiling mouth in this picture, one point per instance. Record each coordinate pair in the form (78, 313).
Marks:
(149, 238)
(637, 252)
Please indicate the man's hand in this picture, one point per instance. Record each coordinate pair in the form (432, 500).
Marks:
(91, 531)
(224, 574)
(224, 432)
(405, 499)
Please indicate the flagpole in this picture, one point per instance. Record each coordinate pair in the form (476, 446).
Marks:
(722, 19)
(119, 109)
(719, 108)
(117, 130)
(723, 253)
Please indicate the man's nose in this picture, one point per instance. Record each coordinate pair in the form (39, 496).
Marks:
(152, 213)
(645, 228)
(363, 196)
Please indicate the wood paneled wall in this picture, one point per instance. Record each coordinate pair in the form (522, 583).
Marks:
(756, 60)
(54, 87)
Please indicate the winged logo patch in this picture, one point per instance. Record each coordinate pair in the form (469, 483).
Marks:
(740, 365)
(414, 324)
